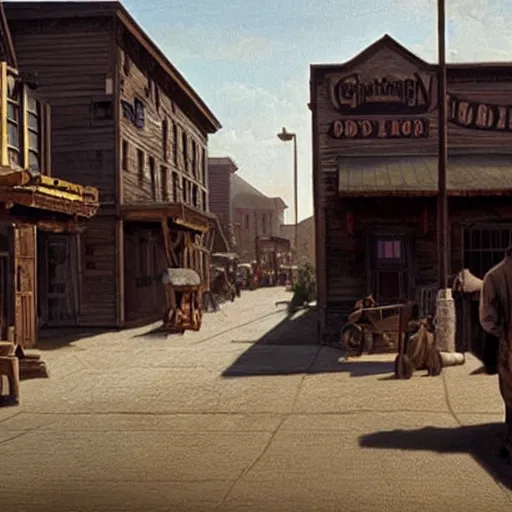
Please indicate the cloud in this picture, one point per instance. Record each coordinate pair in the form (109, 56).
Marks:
(253, 117)
(211, 44)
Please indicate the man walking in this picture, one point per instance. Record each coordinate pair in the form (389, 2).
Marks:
(496, 319)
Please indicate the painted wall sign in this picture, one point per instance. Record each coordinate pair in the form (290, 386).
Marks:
(379, 129)
(479, 116)
(384, 95)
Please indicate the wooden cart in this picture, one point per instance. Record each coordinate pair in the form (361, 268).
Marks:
(389, 328)
(184, 294)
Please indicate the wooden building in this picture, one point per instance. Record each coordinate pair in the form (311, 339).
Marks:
(32, 199)
(125, 120)
(374, 121)
(255, 215)
(220, 170)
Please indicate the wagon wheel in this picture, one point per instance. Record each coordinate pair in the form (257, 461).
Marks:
(352, 339)
(403, 367)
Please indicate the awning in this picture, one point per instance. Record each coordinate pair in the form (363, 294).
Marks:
(35, 197)
(478, 175)
(179, 213)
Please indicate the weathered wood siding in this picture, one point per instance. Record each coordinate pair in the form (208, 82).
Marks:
(73, 60)
(341, 265)
(159, 138)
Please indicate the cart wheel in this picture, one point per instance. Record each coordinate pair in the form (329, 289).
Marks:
(351, 338)
(403, 367)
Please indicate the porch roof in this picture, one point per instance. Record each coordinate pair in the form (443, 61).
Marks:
(468, 175)
(27, 194)
(179, 213)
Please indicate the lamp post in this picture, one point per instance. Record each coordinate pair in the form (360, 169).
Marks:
(287, 137)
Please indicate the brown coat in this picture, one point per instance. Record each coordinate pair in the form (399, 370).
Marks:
(496, 319)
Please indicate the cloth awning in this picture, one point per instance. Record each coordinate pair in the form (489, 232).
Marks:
(478, 175)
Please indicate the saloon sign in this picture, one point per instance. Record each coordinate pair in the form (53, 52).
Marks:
(409, 96)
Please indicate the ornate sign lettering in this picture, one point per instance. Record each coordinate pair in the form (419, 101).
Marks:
(479, 116)
(385, 95)
(379, 129)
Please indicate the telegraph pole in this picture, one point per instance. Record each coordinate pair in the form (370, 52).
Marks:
(445, 306)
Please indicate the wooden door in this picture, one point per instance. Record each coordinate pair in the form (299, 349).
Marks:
(25, 284)
(62, 288)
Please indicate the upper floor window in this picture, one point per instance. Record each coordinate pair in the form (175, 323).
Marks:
(152, 177)
(175, 143)
(165, 138)
(205, 205)
(194, 158)
(103, 110)
(264, 224)
(13, 121)
(247, 221)
(175, 187)
(164, 183)
(204, 166)
(139, 113)
(157, 97)
(124, 155)
(194, 195)
(184, 149)
(140, 167)
(33, 132)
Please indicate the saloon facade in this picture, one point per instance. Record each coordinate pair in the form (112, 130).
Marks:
(375, 127)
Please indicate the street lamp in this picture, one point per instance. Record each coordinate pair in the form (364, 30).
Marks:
(287, 137)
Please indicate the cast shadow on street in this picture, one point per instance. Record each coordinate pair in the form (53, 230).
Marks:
(482, 442)
(273, 354)
(61, 337)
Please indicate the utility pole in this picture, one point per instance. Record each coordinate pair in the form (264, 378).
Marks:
(445, 306)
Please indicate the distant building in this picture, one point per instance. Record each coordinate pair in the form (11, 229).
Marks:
(306, 238)
(220, 171)
(255, 214)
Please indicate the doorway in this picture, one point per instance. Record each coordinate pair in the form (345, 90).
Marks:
(391, 267)
(60, 287)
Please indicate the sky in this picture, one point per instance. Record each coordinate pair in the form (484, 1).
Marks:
(249, 61)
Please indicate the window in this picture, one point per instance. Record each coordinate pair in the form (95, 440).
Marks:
(165, 138)
(184, 149)
(175, 187)
(124, 155)
(126, 64)
(185, 191)
(139, 113)
(157, 97)
(204, 166)
(194, 158)
(247, 221)
(205, 205)
(389, 249)
(103, 110)
(140, 166)
(152, 177)
(33, 132)
(164, 184)
(264, 224)
(149, 89)
(194, 195)
(13, 121)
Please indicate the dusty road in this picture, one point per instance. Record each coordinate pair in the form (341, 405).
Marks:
(246, 415)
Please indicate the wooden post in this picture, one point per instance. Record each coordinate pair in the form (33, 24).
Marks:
(442, 199)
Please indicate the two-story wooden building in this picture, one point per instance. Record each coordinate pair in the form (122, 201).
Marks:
(125, 120)
(32, 199)
(254, 215)
(374, 121)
